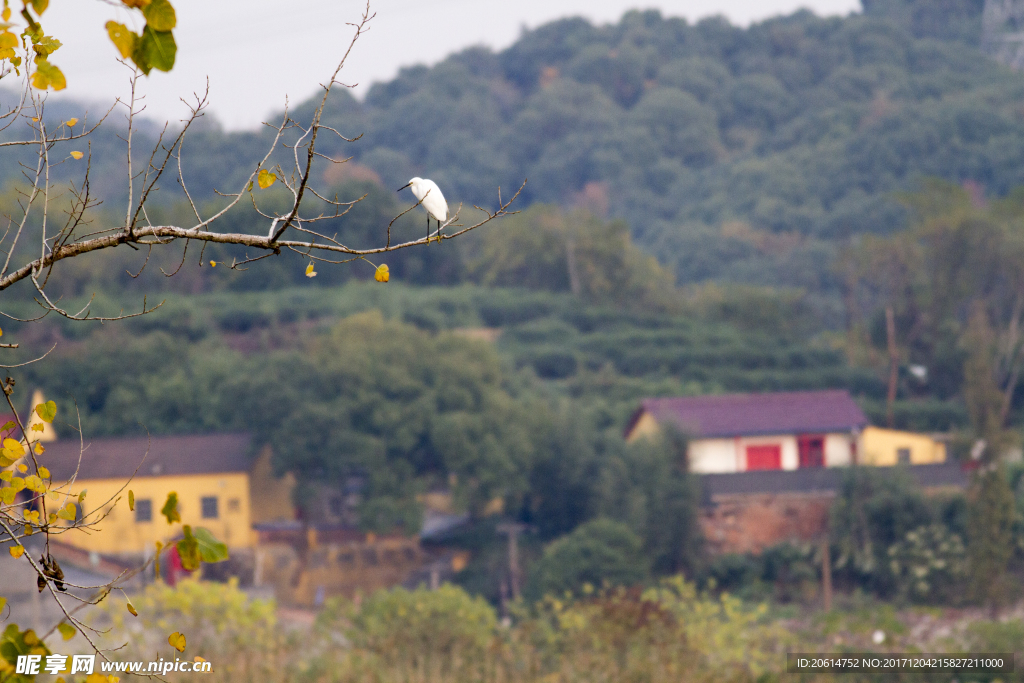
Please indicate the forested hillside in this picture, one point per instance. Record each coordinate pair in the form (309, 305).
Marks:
(740, 154)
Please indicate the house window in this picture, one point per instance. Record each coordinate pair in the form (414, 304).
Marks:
(903, 456)
(208, 504)
(144, 510)
(767, 457)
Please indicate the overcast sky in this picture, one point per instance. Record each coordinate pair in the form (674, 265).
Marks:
(257, 52)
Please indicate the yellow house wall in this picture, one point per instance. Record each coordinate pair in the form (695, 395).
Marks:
(646, 426)
(878, 447)
(119, 533)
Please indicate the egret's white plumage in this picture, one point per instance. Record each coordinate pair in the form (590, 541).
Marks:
(427, 192)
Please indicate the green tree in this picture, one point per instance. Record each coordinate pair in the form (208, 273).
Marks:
(647, 486)
(546, 248)
(598, 552)
(396, 407)
(990, 543)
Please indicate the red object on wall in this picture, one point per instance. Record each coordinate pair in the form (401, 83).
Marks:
(764, 457)
(811, 448)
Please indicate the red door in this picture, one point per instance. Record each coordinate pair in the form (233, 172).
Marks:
(764, 457)
(811, 450)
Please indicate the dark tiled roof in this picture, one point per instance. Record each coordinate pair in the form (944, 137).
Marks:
(794, 412)
(118, 457)
(821, 479)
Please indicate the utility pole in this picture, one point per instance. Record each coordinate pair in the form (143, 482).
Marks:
(512, 530)
(894, 366)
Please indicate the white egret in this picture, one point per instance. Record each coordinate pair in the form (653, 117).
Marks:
(427, 192)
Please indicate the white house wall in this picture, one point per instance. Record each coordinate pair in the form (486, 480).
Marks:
(837, 450)
(712, 455)
(708, 456)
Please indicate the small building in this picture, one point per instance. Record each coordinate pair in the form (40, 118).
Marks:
(886, 447)
(225, 485)
(746, 432)
(220, 483)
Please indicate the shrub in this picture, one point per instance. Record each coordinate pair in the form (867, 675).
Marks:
(597, 553)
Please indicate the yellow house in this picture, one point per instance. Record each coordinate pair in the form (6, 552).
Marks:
(213, 476)
(888, 447)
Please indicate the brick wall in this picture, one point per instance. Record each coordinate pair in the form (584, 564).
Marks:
(741, 523)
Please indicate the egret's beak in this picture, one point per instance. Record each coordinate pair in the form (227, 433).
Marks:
(403, 187)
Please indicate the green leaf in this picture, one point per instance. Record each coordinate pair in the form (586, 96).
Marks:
(159, 15)
(40, 5)
(3, 602)
(67, 631)
(47, 411)
(123, 39)
(210, 549)
(170, 508)
(158, 49)
(188, 550)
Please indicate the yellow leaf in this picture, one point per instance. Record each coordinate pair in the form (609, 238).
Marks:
(81, 496)
(213, 264)
(8, 40)
(76, 155)
(6, 475)
(28, 530)
(177, 641)
(131, 608)
(13, 449)
(265, 179)
(123, 39)
(48, 75)
(43, 472)
(37, 427)
(95, 678)
(71, 122)
(17, 484)
(131, 500)
(382, 274)
(17, 551)
(22, 467)
(68, 512)
(6, 14)
(67, 631)
(47, 411)
(52, 518)
(309, 270)
(136, 3)
(113, 679)
(39, 451)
